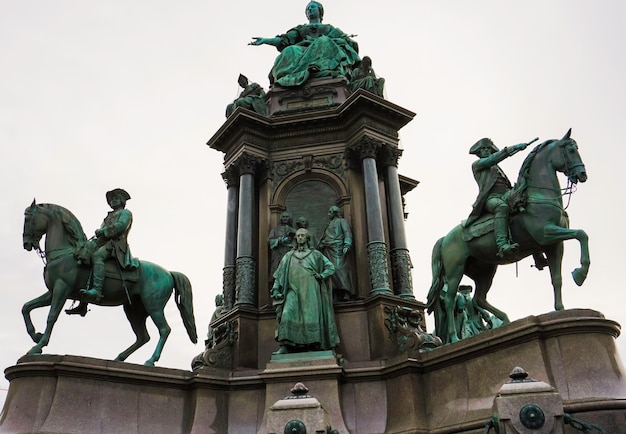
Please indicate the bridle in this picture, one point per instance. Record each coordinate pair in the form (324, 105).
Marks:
(29, 231)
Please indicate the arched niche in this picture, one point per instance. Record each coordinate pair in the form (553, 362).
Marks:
(310, 194)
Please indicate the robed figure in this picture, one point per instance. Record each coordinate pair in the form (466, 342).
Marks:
(313, 50)
(305, 320)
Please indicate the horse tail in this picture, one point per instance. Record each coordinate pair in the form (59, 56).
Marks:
(438, 281)
(184, 302)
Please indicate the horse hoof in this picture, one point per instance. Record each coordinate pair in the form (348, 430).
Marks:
(37, 338)
(579, 276)
(149, 363)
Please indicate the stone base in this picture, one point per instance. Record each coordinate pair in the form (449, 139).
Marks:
(447, 390)
(312, 95)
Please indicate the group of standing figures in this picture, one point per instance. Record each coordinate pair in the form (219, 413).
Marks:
(306, 276)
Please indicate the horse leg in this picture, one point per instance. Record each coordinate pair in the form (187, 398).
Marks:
(60, 294)
(483, 278)
(449, 303)
(137, 317)
(158, 317)
(41, 301)
(558, 233)
(554, 253)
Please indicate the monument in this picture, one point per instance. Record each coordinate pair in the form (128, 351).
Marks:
(360, 360)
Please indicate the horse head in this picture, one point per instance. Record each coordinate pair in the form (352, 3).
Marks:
(34, 227)
(570, 161)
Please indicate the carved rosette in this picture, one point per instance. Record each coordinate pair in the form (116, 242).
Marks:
(406, 330)
(244, 286)
(401, 271)
(377, 259)
(228, 286)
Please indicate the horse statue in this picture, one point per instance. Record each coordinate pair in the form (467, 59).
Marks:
(141, 296)
(540, 227)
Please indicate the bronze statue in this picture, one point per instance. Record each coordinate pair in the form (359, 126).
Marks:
(312, 50)
(493, 185)
(305, 319)
(143, 293)
(335, 244)
(218, 312)
(540, 228)
(252, 98)
(280, 240)
(364, 77)
(303, 223)
(111, 242)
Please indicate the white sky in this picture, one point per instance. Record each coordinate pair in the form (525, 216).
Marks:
(98, 95)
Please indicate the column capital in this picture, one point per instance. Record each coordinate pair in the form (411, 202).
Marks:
(231, 176)
(247, 164)
(389, 155)
(367, 147)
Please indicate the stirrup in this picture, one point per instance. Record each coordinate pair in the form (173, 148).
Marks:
(92, 294)
(507, 248)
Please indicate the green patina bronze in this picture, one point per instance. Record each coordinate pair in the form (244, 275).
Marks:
(313, 50)
(252, 98)
(335, 244)
(364, 77)
(305, 319)
(538, 224)
(142, 292)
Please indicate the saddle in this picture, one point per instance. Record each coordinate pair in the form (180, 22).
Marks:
(112, 269)
(516, 198)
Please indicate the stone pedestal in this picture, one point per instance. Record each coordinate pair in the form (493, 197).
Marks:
(298, 413)
(320, 372)
(450, 389)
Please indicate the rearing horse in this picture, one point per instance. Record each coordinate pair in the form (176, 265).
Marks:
(540, 228)
(64, 278)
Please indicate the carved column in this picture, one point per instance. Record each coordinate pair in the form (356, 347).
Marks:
(231, 177)
(376, 246)
(245, 263)
(400, 259)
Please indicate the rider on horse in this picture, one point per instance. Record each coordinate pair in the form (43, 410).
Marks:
(110, 242)
(493, 184)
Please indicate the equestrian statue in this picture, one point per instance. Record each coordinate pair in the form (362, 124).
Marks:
(508, 224)
(141, 287)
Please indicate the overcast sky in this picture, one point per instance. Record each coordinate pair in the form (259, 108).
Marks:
(98, 95)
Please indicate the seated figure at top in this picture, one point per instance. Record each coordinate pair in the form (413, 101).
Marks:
(313, 50)
(364, 77)
(252, 97)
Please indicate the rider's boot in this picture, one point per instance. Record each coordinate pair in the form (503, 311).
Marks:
(501, 229)
(94, 294)
(540, 261)
(81, 309)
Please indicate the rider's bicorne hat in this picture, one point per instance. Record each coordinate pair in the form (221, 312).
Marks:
(117, 192)
(482, 142)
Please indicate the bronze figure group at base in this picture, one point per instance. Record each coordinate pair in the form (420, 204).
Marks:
(306, 278)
